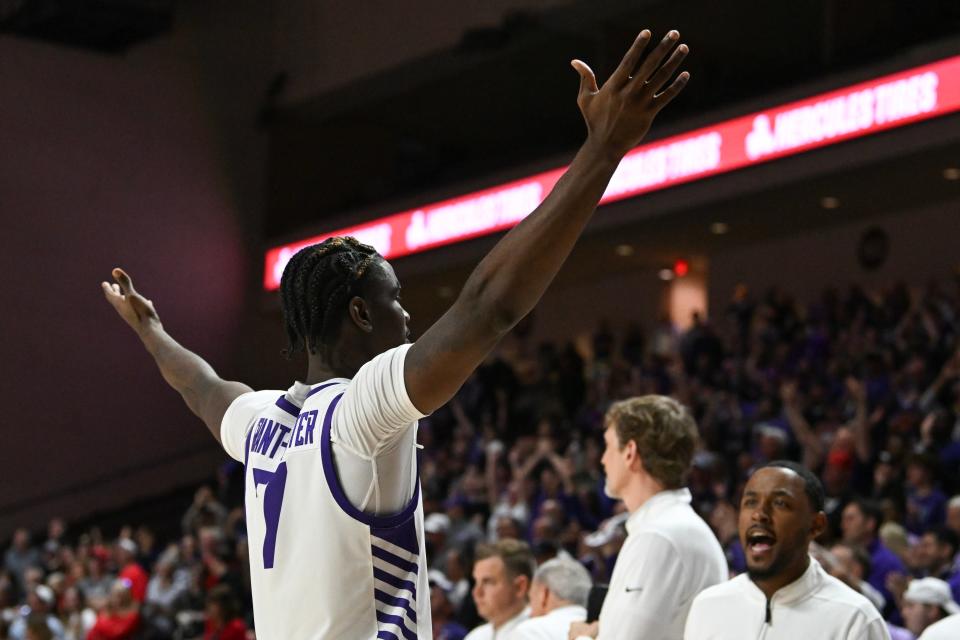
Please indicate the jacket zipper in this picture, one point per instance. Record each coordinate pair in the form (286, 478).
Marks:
(767, 622)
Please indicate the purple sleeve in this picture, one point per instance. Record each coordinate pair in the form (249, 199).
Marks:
(884, 562)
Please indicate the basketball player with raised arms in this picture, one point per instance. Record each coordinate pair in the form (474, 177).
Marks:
(334, 515)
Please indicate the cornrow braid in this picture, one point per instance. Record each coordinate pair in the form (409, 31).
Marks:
(317, 283)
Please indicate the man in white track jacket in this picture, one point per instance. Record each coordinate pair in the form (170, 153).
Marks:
(785, 594)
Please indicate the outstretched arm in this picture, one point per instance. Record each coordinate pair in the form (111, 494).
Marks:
(507, 283)
(207, 395)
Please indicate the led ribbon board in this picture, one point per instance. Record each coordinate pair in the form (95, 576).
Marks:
(860, 110)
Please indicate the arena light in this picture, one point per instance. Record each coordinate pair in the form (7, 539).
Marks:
(859, 110)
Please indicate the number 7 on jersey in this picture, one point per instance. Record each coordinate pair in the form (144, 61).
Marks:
(276, 482)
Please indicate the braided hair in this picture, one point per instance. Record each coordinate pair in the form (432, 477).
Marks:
(316, 285)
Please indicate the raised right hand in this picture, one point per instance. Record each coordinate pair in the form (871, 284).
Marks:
(619, 114)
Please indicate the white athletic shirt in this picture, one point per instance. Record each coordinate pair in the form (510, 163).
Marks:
(487, 632)
(816, 606)
(670, 555)
(550, 626)
(323, 463)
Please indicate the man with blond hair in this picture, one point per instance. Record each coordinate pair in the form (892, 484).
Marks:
(502, 573)
(670, 554)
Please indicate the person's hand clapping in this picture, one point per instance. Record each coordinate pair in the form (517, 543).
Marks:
(545, 447)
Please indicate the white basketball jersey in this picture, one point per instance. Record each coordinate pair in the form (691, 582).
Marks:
(321, 569)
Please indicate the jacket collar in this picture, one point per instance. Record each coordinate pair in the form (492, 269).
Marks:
(657, 504)
(799, 589)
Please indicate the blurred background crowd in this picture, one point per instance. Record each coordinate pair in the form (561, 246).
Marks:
(861, 386)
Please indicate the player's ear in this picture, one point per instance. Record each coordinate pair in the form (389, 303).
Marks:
(522, 584)
(360, 314)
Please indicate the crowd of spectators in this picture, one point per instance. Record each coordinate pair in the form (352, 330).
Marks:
(861, 387)
(89, 587)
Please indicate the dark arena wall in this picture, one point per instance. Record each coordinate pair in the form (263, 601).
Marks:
(107, 162)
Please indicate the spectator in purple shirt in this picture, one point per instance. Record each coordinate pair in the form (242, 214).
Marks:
(899, 633)
(860, 523)
(926, 504)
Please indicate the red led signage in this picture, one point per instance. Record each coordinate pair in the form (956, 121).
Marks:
(852, 112)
